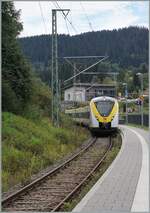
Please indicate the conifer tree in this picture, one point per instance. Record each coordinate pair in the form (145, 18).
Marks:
(16, 72)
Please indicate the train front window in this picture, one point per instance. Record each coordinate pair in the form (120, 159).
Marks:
(104, 107)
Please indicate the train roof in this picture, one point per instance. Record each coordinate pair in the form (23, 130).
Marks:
(103, 98)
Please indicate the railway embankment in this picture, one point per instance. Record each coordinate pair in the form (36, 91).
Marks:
(29, 146)
(52, 190)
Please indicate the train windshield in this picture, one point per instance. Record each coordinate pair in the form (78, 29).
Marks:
(104, 107)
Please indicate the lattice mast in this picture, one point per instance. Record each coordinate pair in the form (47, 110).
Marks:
(55, 88)
(54, 81)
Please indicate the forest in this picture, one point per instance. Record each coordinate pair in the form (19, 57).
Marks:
(127, 49)
(126, 46)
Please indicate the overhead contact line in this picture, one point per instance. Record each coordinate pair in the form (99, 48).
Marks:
(43, 17)
(65, 17)
(90, 24)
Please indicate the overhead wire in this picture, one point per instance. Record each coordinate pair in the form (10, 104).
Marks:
(71, 13)
(90, 24)
(73, 27)
(43, 17)
(64, 16)
(67, 27)
(70, 22)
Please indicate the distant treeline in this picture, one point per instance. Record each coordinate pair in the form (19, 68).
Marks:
(126, 46)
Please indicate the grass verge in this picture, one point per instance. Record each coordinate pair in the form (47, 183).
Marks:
(68, 206)
(138, 126)
(29, 146)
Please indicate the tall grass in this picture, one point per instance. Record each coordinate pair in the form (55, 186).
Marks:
(31, 145)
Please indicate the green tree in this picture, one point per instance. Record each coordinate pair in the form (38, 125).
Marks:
(16, 72)
(108, 80)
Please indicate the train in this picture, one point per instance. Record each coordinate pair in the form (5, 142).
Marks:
(101, 116)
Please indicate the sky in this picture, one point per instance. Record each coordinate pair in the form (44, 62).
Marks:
(84, 16)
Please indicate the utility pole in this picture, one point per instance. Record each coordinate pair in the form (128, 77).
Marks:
(74, 82)
(115, 81)
(54, 77)
(142, 114)
(141, 79)
(126, 96)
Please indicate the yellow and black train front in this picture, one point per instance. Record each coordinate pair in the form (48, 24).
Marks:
(103, 114)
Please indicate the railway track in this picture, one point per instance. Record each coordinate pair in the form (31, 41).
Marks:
(51, 191)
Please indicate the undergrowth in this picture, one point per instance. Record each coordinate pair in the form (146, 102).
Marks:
(30, 145)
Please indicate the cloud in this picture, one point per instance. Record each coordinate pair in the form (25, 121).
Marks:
(102, 15)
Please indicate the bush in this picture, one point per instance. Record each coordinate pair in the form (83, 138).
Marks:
(62, 136)
(33, 112)
(10, 102)
(5, 180)
(36, 164)
(14, 160)
(36, 147)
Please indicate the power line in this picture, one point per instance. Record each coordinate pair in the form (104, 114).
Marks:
(65, 17)
(90, 24)
(86, 69)
(83, 40)
(67, 27)
(43, 17)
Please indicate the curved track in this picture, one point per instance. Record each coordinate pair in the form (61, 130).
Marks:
(51, 191)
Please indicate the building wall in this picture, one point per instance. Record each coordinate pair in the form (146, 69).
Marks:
(75, 94)
(81, 94)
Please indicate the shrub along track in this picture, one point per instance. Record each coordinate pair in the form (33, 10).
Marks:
(51, 191)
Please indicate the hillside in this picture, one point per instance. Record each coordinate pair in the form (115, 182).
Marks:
(29, 146)
(126, 46)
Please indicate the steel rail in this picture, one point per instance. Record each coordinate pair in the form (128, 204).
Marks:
(28, 187)
(84, 180)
